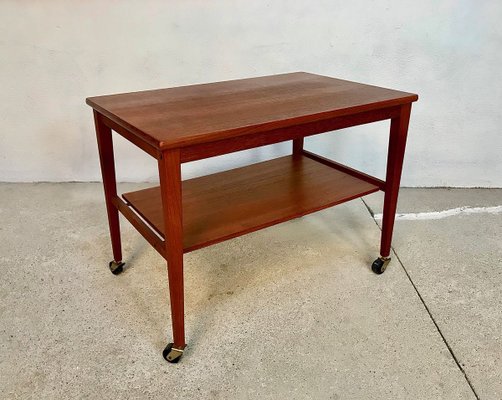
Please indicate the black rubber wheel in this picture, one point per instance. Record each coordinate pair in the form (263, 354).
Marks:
(172, 355)
(379, 266)
(116, 267)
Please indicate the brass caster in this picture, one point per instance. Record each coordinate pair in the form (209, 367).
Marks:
(380, 265)
(172, 354)
(116, 267)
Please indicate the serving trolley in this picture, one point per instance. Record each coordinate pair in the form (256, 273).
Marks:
(183, 124)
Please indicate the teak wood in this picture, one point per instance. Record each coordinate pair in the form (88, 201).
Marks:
(231, 203)
(183, 124)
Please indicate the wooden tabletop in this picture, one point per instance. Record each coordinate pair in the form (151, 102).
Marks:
(187, 115)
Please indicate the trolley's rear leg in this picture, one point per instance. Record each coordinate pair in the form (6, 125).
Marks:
(298, 146)
(105, 147)
(170, 182)
(395, 156)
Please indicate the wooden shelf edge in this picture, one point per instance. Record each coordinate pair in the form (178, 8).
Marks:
(233, 203)
(272, 223)
(341, 167)
(145, 228)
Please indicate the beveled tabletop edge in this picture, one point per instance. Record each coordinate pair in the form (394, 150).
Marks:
(119, 121)
(254, 128)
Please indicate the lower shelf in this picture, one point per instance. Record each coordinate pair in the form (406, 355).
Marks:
(231, 203)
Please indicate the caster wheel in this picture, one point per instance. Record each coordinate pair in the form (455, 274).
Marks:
(380, 265)
(116, 267)
(172, 354)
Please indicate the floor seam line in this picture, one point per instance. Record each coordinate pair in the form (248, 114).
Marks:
(426, 307)
(450, 212)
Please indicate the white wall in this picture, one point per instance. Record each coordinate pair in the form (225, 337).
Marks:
(53, 54)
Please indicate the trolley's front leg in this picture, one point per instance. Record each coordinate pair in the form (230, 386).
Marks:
(395, 156)
(105, 147)
(170, 184)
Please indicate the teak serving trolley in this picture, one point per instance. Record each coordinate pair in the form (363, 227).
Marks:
(183, 124)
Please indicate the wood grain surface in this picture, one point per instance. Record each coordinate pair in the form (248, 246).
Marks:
(231, 203)
(183, 116)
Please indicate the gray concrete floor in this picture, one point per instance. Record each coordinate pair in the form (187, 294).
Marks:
(289, 312)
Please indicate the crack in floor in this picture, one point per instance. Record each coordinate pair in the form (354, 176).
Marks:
(375, 218)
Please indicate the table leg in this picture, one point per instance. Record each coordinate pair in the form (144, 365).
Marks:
(297, 146)
(170, 183)
(107, 162)
(395, 156)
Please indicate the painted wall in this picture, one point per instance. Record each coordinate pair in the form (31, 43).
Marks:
(53, 54)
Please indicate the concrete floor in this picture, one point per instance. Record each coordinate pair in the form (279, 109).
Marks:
(289, 312)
